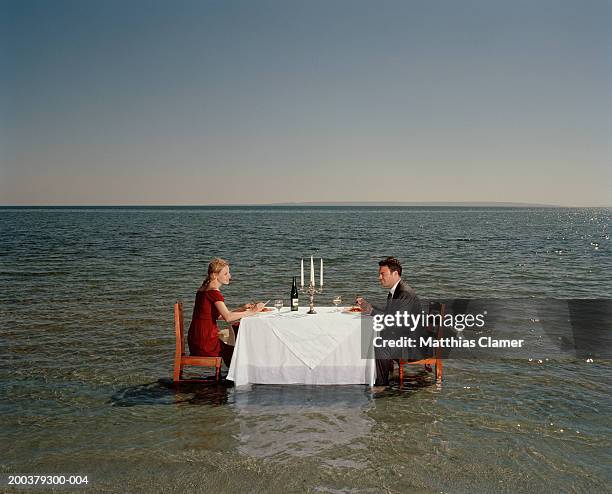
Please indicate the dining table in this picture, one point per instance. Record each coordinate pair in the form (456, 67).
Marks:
(333, 346)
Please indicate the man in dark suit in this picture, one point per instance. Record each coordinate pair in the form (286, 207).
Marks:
(400, 298)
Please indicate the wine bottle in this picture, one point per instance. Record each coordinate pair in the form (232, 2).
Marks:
(294, 296)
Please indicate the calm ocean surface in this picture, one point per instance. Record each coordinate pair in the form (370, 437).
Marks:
(87, 345)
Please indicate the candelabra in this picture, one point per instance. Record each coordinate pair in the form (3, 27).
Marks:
(311, 290)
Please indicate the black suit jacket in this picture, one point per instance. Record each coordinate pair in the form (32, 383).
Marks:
(404, 299)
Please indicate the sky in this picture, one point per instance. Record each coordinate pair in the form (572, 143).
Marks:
(258, 102)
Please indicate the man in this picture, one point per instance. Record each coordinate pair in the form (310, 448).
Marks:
(401, 297)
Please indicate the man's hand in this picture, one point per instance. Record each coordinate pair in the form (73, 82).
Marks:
(365, 306)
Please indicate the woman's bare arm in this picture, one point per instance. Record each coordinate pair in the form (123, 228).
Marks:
(236, 315)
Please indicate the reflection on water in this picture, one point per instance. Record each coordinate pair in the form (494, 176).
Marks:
(166, 392)
(284, 422)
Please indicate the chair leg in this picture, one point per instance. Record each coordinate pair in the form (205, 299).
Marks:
(218, 371)
(439, 371)
(401, 373)
(177, 370)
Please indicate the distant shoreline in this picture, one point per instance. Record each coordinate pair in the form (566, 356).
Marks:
(427, 204)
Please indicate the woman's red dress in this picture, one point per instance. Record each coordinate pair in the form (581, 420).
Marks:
(202, 337)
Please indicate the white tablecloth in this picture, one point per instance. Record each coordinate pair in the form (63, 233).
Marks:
(299, 348)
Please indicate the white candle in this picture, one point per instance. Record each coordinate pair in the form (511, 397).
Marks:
(302, 273)
(321, 273)
(312, 281)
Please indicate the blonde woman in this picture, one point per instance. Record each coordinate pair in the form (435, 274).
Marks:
(209, 306)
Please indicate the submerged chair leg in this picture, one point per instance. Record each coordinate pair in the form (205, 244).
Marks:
(177, 371)
(438, 370)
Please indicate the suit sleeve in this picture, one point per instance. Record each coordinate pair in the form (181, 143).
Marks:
(377, 310)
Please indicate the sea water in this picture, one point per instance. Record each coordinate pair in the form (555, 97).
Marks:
(87, 343)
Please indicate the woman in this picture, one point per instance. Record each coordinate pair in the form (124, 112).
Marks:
(209, 306)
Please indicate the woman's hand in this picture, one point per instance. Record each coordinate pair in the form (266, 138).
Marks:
(254, 308)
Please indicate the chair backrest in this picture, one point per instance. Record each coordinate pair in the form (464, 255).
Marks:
(178, 329)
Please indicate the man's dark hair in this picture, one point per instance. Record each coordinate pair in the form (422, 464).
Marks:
(392, 263)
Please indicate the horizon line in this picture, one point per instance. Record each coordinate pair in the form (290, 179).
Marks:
(496, 204)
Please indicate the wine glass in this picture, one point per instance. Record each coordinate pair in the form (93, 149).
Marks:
(337, 300)
(278, 304)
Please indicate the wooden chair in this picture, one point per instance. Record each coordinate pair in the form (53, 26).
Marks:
(436, 359)
(180, 359)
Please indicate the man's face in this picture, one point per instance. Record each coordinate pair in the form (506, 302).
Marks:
(387, 277)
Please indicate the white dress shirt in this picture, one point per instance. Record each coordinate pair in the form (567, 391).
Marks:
(392, 289)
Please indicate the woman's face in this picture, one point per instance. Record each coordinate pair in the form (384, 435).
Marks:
(224, 276)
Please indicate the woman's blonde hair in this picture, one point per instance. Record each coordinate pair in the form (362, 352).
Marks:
(214, 267)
